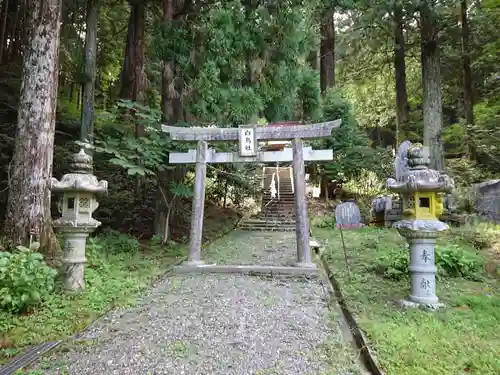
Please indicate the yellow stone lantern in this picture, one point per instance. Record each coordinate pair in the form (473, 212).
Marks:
(421, 190)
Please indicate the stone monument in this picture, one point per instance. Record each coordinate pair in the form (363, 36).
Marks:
(421, 191)
(347, 215)
(76, 222)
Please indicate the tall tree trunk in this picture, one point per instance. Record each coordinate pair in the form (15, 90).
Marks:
(168, 93)
(87, 119)
(467, 79)
(163, 215)
(402, 108)
(327, 51)
(173, 111)
(431, 79)
(3, 26)
(28, 209)
(133, 62)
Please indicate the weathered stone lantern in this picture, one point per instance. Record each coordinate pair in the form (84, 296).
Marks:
(421, 190)
(76, 223)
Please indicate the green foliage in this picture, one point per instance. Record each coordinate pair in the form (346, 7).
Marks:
(115, 272)
(353, 153)
(25, 280)
(309, 94)
(482, 235)
(466, 172)
(115, 241)
(452, 260)
(139, 156)
(461, 338)
(242, 60)
(323, 222)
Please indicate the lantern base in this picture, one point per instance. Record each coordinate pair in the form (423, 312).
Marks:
(406, 303)
(309, 265)
(193, 263)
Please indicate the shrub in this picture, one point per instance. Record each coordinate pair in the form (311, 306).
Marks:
(393, 263)
(116, 242)
(481, 236)
(323, 221)
(454, 261)
(25, 280)
(451, 261)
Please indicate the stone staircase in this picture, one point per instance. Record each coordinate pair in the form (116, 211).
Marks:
(275, 214)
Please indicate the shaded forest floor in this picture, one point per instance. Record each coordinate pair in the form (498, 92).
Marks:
(118, 269)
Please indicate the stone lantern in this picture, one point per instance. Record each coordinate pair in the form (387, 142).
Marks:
(421, 190)
(76, 223)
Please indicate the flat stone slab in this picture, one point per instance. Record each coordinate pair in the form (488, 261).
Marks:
(255, 270)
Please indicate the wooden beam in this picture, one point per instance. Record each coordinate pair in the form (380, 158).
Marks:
(214, 157)
(287, 132)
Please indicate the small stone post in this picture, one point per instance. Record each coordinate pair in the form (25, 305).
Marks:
(194, 255)
(76, 223)
(421, 191)
(301, 215)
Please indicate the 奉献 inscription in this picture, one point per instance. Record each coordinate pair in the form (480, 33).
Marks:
(425, 284)
(426, 256)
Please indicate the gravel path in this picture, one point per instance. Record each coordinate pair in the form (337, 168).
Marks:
(216, 325)
(246, 247)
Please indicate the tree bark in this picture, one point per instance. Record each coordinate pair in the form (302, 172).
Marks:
(172, 110)
(402, 108)
(133, 62)
(3, 26)
(431, 79)
(327, 51)
(28, 209)
(87, 118)
(168, 85)
(467, 79)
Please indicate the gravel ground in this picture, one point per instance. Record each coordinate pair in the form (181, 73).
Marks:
(216, 324)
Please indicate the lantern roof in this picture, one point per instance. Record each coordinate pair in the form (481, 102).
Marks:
(420, 177)
(80, 179)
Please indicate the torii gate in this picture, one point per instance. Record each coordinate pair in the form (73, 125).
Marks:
(248, 136)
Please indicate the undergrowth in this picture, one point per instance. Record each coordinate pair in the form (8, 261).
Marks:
(451, 261)
(461, 338)
(118, 268)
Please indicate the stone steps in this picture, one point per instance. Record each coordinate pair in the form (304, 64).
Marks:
(262, 225)
(277, 215)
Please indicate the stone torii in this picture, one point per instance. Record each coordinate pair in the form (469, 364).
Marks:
(248, 137)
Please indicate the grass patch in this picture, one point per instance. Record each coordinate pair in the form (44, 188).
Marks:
(461, 339)
(118, 268)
